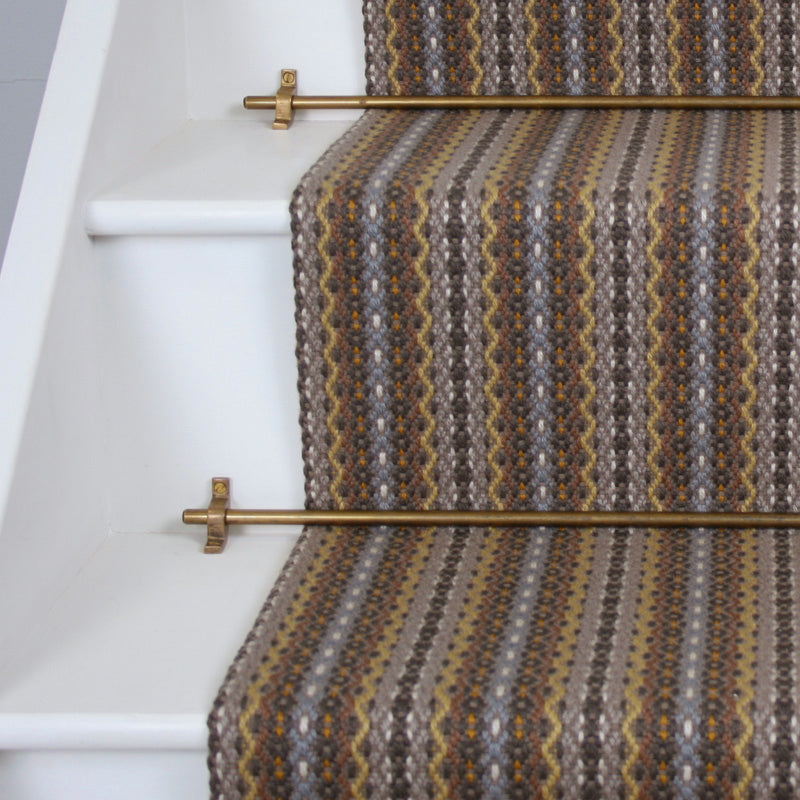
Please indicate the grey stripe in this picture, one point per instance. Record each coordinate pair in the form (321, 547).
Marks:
(794, 549)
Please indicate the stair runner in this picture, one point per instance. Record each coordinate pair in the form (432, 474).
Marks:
(550, 309)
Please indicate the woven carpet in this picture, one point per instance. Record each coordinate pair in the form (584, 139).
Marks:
(542, 310)
(560, 309)
(583, 47)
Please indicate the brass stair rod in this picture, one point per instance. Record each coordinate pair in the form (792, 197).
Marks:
(218, 516)
(303, 102)
(286, 101)
(582, 519)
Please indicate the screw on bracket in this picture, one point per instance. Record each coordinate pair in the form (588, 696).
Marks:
(284, 113)
(217, 524)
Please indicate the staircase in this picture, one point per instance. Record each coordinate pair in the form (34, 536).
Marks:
(146, 311)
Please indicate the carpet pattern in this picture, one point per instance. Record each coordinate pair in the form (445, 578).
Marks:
(555, 309)
(392, 663)
(582, 47)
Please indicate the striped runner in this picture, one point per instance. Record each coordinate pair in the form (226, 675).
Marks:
(537, 310)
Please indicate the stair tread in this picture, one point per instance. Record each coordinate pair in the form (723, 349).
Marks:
(214, 178)
(137, 645)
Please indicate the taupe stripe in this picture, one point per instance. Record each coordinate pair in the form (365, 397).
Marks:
(605, 207)
(376, 46)
(792, 85)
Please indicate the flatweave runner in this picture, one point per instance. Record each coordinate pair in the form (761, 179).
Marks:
(519, 664)
(582, 47)
(552, 309)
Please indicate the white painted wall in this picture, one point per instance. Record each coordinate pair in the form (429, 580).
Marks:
(27, 39)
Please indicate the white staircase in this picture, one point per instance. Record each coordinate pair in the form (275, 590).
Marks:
(147, 330)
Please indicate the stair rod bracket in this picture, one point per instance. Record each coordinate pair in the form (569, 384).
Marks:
(284, 112)
(217, 523)
(218, 516)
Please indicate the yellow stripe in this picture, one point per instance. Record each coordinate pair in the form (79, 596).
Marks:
(745, 672)
(328, 189)
(562, 664)
(495, 179)
(394, 56)
(613, 26)
(382, 655)
(665, 156)
(754, 180)
(475, 53)
(283, 638)
(638, 664)
(758, 52)
(586, 303)
(421, 269)
(474, 604)
(533, 50)
(674, 26)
